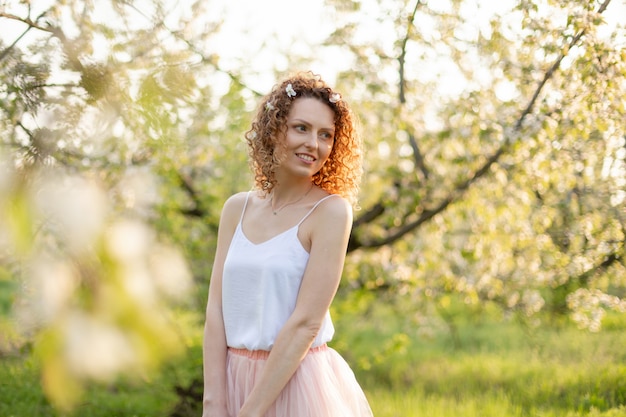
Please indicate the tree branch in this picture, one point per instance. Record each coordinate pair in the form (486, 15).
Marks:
(402, 57)
(555, 66)
(198, 209)
(426, 215)
(370, 215)
(8, 49)
(203, 57)
(28, 21)
(44, 85)
(417, 156)
(457, 191)
(609, 260)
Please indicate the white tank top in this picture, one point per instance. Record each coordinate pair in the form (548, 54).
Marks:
(260, 286)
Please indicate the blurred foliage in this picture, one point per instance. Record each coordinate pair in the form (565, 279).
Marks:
(496, 169)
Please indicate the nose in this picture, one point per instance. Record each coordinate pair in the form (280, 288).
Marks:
(311, 140)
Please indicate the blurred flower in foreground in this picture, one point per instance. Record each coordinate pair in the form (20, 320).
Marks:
(73, 208)
(138, 190)
(97, 287)
(97, 349)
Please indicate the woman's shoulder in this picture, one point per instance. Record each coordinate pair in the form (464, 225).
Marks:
(330, 221)
(334, 206)
(335, 202)
(233, 206)
(237, 199)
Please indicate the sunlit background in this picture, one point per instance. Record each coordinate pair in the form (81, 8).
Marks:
(485, 273)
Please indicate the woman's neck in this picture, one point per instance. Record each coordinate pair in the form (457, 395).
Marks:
(290, 187)
(286, 195)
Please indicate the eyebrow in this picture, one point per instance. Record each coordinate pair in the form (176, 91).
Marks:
(298, 120)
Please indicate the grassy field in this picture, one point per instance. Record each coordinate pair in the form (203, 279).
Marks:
(491, 368)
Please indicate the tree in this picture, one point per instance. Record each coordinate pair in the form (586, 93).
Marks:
(509, 187)
(105, 125)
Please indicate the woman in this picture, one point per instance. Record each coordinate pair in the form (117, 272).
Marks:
(279, 258)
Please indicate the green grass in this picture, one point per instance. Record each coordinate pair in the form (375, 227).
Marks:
(492, 367)
(21, 395)
(414, 403)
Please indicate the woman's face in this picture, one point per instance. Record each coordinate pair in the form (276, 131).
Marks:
(309, 137)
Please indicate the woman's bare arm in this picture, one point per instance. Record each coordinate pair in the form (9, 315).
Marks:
(214, 345)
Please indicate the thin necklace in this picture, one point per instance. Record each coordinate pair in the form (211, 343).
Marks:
(275, 211)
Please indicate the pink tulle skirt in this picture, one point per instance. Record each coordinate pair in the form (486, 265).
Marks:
(323, 386)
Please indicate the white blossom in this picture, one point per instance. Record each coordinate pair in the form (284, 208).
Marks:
(170, 272)
(290, 91)
(96, 349)
(335, 97)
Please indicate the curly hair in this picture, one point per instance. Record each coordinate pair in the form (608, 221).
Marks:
(342, 171)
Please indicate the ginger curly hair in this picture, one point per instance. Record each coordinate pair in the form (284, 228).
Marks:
(342, 171)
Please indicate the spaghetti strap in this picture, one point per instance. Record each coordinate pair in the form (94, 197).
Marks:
(244, 207)
(314, 207)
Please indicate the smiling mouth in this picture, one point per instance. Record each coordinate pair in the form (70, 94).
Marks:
(308, 158)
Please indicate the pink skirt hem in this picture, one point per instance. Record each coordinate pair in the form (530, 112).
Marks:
(323, 385)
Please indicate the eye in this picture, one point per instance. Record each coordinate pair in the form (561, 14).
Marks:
(327, 136)
(300, 128)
